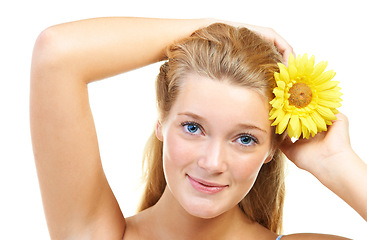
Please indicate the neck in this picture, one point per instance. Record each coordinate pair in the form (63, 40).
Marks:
(175, 223)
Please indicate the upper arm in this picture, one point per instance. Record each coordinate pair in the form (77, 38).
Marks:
(76, 196)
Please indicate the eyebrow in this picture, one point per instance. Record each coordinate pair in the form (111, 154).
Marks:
(193, 115)
(240, 125)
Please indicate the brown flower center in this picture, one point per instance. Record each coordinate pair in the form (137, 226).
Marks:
(300, 95)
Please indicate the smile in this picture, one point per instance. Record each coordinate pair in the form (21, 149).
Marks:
(205, 187)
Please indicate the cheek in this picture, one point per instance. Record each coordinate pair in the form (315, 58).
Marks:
(246, 167)
(177, 153)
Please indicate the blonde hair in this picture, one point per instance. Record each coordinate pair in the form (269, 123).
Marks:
(237, 56)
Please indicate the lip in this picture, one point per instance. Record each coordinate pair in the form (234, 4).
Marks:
(204, 186)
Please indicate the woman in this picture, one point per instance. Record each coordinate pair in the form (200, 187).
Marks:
(214, 166)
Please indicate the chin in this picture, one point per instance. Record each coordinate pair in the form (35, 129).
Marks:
(204, 214)
(204, 209)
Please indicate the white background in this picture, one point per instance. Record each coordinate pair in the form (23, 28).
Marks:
(123, 106)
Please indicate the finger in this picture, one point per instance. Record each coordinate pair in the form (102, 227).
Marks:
(280, 43)
(283, 47)
(341, 117)
(286, 55)
(286, 145)
(340, 127)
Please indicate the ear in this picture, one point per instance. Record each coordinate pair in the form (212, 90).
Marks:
(158, 131)
(270, 156)
(268, 159)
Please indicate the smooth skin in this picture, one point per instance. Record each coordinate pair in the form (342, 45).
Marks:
(214, 143)
(77, 198)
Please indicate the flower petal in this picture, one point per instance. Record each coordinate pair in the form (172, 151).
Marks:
(292, 72)
(310, 65)
(335, 111)
(281, 84)
(331, 95)
(279, 114)
(291, 60)
(320, 122)
(301, 67)
(278, 92)
(324, 77)
(295, 125)
(326, 113)
(329, 104)
(278, 103)
(276, 76)
(304, 59)
(313, 127)
(298, 60)
(283, 123)
(319, 68)
(327, 85)
(305, 131)
(283, 73)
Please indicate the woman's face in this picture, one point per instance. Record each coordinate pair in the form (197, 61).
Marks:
(215, 140)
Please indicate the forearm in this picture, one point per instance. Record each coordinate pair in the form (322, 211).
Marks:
(98, 48)
(347, 178)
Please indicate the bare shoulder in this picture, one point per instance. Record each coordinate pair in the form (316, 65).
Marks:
(312, 236)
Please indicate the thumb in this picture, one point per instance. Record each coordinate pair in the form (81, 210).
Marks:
(286, 145)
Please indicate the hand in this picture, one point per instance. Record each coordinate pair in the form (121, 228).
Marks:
(322, 151)
(284, 48)
(330, 158)
(272, 36)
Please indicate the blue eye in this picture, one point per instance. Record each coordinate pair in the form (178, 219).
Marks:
(192, 128)
(247, 140)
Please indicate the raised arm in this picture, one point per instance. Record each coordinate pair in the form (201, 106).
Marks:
(102, 47)
(331, 159)
(78, 201)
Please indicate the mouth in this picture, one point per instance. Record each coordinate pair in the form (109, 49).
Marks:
(204, 186)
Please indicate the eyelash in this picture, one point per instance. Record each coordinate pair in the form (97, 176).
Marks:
(185, 124)
(199, 127)
(252, 138)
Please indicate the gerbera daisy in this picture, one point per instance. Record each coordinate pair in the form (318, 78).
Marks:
(305, 97)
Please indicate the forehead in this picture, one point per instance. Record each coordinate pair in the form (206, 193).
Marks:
(218, 99)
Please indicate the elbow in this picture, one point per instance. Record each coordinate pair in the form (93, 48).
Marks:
(47, 49)
(55, 54)
(52, 57)
(45, 62)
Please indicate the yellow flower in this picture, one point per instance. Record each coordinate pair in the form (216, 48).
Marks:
(305, 97)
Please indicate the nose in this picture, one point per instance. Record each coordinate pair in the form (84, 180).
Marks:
(214, 157)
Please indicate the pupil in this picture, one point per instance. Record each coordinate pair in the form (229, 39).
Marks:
(192, 128)
(246, 140)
